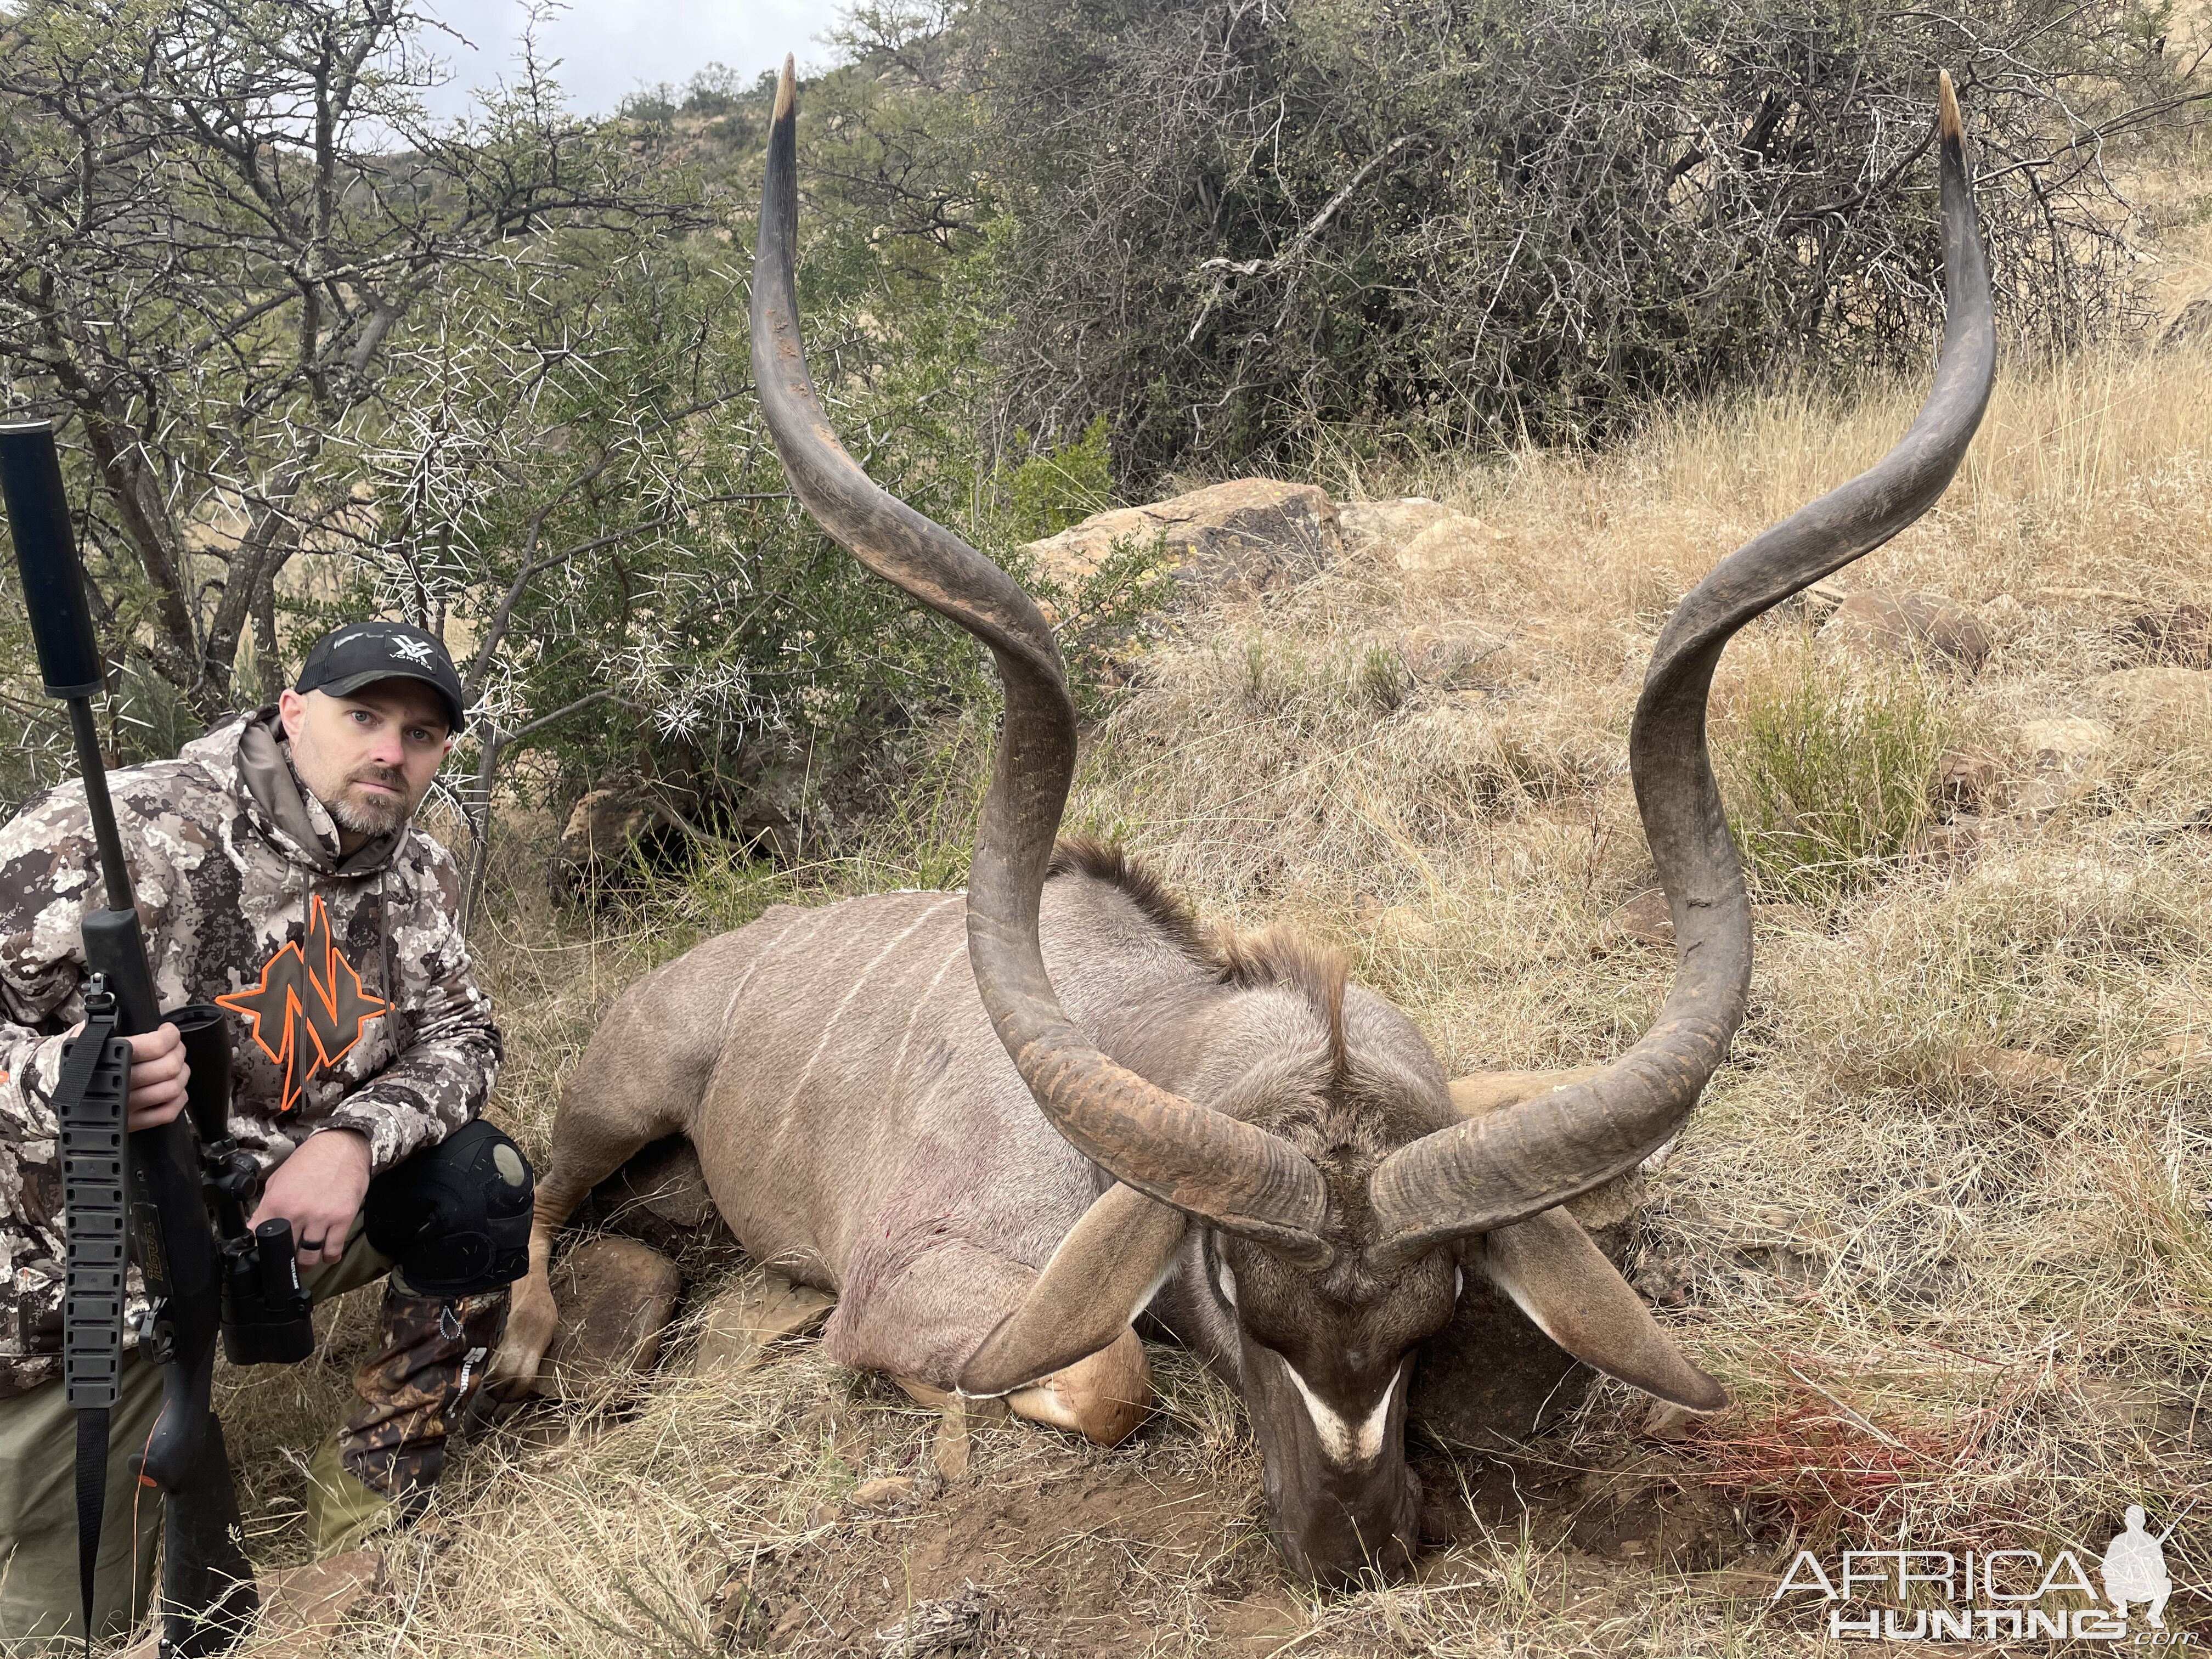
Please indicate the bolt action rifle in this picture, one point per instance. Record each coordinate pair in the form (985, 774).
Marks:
(172, 1200)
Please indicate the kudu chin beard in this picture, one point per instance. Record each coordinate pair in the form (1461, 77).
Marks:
(1338, 1262)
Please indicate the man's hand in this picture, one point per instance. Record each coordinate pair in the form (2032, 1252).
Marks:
(158, 1075)
(319, 1190)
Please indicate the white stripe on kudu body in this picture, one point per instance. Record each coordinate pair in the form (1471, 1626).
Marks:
(844, 1002)
(959, 953)
(753, 967)
(1342, 1441)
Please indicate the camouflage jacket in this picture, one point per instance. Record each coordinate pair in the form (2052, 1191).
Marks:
(353, 1001)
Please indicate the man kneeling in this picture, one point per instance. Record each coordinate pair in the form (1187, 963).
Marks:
(280, 877)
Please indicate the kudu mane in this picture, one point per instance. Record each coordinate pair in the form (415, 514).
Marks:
(1272, 955)
(1110, 862)
(1338, 1090)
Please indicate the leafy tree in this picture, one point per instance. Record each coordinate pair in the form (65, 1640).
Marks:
(315, 355)
(590, 514)
(218, 218)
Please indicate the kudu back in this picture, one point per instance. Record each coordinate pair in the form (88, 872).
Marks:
(1001, 1124)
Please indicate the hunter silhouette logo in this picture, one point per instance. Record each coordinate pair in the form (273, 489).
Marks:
(309, 1008)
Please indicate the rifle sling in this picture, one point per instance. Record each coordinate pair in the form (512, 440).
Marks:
(90, 1104)
(91, 1500)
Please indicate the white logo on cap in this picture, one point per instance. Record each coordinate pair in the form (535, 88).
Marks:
(414, 651)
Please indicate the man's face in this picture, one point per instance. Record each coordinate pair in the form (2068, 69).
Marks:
(369, 755)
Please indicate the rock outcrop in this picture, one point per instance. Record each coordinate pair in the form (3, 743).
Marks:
(1451, 543)
(603, 827)
(2178, 636)
(617, 1297)
(2066, 745)
(1244, 538)
(303, 1608)
(742, 1322)
(1373, 526)
(1925, 627)
(2137, 695)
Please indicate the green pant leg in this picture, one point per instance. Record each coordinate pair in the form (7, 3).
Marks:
(37, 1495)
(341, 1512)
(38, 1593)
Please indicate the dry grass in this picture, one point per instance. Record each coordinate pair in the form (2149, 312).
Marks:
(1940, 1225)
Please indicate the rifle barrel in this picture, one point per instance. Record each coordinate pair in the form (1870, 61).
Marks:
(114, 869)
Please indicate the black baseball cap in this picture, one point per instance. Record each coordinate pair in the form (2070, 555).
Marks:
(361, 653)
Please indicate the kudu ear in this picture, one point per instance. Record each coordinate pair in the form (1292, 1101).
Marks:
(1099, 1278)
(1563, 1282)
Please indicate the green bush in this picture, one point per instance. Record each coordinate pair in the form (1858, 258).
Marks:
(1045, 493)
(1830, 777)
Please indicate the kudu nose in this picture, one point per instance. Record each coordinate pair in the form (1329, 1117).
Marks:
(1342, 1545)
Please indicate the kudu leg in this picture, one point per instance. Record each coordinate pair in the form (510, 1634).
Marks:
(618, 1101)
(1104, 1397)
(940, 1313)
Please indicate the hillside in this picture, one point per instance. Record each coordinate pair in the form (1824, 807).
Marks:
(1939, 1226)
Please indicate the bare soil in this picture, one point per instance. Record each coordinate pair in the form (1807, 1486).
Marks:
(1057, 1548)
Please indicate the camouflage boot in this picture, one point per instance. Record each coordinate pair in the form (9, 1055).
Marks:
(386, 1460)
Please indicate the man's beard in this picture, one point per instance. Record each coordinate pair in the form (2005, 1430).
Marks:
(367, 817)
(348, 810)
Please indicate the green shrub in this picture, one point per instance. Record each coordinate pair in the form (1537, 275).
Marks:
(1830, 777)
(1248, 232)
(1049, 491)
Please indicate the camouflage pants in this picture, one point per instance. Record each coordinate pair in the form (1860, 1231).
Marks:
(423, 1375)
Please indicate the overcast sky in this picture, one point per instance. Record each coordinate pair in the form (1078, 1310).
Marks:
(610, 47)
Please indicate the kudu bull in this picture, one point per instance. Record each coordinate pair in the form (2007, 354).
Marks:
(1271, 1161)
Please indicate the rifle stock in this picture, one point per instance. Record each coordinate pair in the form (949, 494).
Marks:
(207, 1596)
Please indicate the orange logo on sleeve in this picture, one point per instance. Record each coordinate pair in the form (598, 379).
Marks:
(309, 1008)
